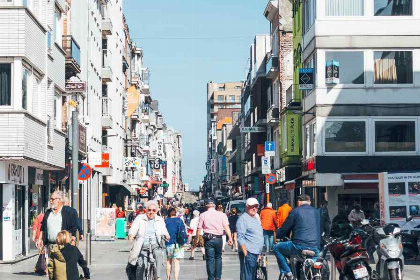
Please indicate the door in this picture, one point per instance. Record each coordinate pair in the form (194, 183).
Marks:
(1, 222)
(19, 219)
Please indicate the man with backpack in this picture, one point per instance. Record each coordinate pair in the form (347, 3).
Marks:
(212, 223)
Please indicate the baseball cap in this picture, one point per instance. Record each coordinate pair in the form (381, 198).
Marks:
(252, 201)
(209, 201)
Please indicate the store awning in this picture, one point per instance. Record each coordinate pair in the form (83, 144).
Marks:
(290, 185)
(361, 181)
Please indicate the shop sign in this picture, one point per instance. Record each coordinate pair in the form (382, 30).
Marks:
(252, 129)
(159, 145)
(260, 150)
(95, 158)
(104, 161)
(213, 166)
(131, 162)
(72, 87)
(39, 177)
(281, 174)
(16, 173)
(82, 138)
(173, 184)
(133, 97)
(332, 72)
(309, 166)
(306, 79)
(292, 135)
(164, 166)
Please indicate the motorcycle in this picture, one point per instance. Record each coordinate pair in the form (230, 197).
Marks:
(351, 258)
(410, 242)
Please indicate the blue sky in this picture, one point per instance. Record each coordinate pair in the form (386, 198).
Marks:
(187, 43)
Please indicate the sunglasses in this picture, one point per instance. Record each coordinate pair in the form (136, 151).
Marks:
(253, 206)
(151, 210)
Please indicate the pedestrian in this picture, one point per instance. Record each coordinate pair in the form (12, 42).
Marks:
(268, 218)
(146, 231)
(283, 212)
(220, 209)
(356, 216)
(36, 231)
(121, 213)
(325, 219)
(76, 217)
(164, 211)
(233, 218)
(59, 217)
(250, 240)
(196, 242)
(212, 223)
(174, 250)
(64, 258)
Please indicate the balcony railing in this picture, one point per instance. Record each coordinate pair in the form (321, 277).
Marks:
(272, 67)
(272, 115)
(106, 66)
(72, 50)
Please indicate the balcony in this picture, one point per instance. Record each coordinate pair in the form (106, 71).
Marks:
(106, 66)
(144, 143)
(135, 78)
(72, 50)
(145, 75)
(135, 115)
(106, 26)
(145, 118)
(107, 122)
(272, 67)
(273, 115)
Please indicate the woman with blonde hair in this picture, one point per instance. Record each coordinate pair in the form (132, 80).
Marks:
(64, 258)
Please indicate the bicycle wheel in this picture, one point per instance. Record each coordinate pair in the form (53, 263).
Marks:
(152, 273)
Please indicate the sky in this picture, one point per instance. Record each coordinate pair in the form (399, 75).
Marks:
(187, 43)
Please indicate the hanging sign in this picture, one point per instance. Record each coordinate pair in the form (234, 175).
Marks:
(306, 78)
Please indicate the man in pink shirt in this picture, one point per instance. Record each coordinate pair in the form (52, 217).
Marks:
(213, 223)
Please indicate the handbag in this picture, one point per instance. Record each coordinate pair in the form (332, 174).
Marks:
(41, 265)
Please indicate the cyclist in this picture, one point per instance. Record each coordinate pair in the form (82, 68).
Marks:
(147, 232)
(304, 224)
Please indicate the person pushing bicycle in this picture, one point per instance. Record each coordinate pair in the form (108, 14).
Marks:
(147, 231)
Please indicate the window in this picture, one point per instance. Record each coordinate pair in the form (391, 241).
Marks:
(351, 66)
(310, 135)
(231, 98)
(393, 67)
(25, 78)
(345, 136)
(393, 7)
(309, 14)
(221, 88)
(345, 8)
(5, 85)
(220, 98)
(395, 136)
(58, 25)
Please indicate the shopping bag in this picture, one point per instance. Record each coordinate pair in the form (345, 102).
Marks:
(41, 265)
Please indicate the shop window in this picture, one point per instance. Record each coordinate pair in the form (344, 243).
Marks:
(351, 66)
(395, 136)
(393, 67)
(345, 136)
(393, 7)
(345, 7)
(5, 84)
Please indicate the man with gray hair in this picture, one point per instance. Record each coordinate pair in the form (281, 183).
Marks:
(59, 217)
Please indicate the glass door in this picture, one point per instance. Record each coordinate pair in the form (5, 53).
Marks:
(19, 219)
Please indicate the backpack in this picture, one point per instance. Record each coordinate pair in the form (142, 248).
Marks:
(181, 235)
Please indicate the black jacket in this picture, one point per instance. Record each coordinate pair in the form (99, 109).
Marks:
(304, 224)
(69, 222)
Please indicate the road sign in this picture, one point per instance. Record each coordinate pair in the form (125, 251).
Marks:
(270, 178)
(266, 165)
(85, 172)
(306, 78)
(252, 129)
(270, 149)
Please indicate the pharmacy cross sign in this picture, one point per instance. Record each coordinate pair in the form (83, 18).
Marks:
(270, 178)
(85, 172)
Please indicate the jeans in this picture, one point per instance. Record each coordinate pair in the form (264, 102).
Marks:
(289, 249)
(248, 265)
(268, 240)
(213, 249)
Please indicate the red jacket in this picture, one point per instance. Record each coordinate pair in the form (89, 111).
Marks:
(268, 219)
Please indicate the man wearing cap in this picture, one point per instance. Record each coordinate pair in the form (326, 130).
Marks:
(304, 224)
(250, 239)
(212, 223)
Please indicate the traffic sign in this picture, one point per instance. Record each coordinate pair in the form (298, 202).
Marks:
(266, 165)
(85, 172)
(270, 178)
(270, 149)
(267, 187)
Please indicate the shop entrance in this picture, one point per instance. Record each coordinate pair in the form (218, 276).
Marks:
(366, 200)
(19, 220)
(1, 222)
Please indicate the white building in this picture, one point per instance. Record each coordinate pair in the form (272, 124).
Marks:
(32, 143)
(366, 121)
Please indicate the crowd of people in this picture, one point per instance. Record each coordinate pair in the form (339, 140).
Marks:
(170, 230)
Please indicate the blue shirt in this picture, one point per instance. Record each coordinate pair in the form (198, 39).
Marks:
(150, 233)
(250, 233)
(172, 225)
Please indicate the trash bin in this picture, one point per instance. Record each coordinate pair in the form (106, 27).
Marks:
(120, 232)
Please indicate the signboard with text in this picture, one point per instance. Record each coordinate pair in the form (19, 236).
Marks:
(252, 129)
(306, 78)
(73, 87)
(292, 134)
(332, 72)
(265, 165)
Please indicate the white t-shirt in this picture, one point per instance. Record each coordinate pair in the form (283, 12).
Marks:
(194, 225)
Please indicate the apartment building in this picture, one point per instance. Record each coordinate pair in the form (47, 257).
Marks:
(32, 141)
(362, 116)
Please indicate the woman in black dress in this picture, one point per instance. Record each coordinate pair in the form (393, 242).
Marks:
(233, 218)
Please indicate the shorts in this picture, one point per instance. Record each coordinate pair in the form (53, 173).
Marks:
(200, 241)
(174, 251)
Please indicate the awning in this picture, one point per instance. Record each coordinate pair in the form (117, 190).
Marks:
(290, 185)
(361, 181)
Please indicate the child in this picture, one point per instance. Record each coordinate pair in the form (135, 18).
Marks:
(64, 258)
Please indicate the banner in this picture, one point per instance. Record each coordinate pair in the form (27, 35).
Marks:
(105, 222)
(292, 134)
(133, 98)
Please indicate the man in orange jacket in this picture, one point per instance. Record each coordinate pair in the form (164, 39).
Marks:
(283, 212)
(269, 224)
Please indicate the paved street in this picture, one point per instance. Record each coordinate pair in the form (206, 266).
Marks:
(109, 261)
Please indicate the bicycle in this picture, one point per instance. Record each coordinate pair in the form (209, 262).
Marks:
(149, 272)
